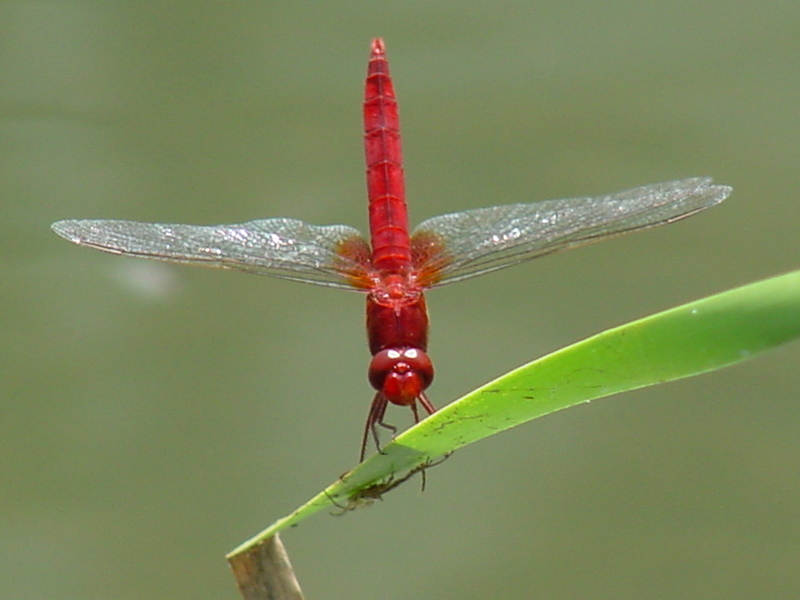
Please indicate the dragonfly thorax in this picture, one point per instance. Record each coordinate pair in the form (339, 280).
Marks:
(401, 374)
(395, 290)
(396, 322)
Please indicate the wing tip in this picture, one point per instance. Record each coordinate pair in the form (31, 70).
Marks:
(701, 188)
(67, 229)
(715, 192)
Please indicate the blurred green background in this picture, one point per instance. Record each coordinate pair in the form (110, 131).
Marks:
(153, 417)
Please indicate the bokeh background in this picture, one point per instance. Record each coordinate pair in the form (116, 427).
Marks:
(153, 417)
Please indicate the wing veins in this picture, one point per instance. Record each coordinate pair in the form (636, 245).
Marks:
(472, 243)
(284, 248)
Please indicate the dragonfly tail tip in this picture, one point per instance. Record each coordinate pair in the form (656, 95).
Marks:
(378, 49)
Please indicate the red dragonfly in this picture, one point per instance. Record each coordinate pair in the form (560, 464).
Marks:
(394, 267)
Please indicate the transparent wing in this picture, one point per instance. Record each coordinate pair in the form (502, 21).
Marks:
(334, 255)
(460, 245)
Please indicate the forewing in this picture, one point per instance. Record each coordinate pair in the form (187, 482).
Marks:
(457, 246)
(334, 255)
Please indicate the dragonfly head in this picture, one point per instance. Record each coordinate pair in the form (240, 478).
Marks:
(401, 374)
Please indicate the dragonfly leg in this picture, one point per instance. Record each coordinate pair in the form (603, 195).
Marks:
(388, 426)
(374, 418)
(426, 404)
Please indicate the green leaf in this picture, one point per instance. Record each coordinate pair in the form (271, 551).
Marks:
(701, 336)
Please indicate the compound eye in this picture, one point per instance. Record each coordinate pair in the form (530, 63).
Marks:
(403, 363)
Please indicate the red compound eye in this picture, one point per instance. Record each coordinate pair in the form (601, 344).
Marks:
(401, 374)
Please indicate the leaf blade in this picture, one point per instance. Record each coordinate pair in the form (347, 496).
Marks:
(701, 336)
